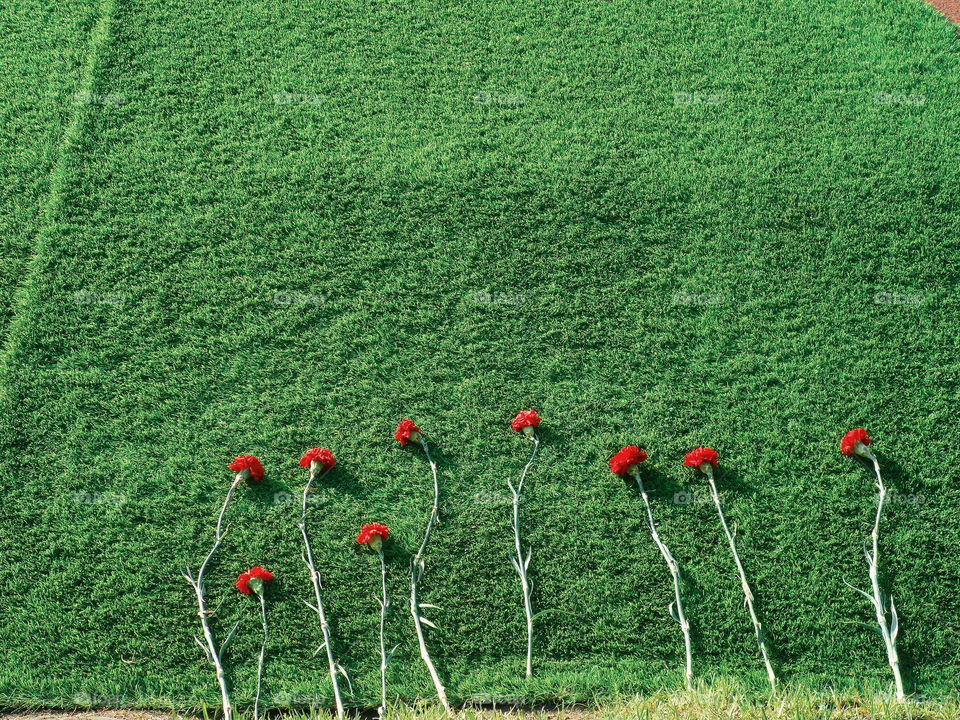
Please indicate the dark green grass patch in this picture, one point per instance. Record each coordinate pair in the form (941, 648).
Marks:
(731, 224)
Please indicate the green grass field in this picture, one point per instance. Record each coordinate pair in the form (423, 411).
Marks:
(266, 226)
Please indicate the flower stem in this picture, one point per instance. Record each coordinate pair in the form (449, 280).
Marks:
(416, 574)
(384, 606)
(318, 608)
(214, 655)
(263, 654)
(888, 630)
(519, 562)
(747, 593)
(675, 572)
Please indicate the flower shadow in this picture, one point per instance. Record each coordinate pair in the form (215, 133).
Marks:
(893, 473)
(286, 489)
(662, 489)
(658, 485)
(729, 481)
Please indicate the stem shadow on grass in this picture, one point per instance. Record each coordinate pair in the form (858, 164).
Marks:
(337, 482)
(729, 483)
(662, 489)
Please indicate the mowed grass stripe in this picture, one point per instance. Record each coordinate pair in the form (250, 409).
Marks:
(43, 50)
(653, 224)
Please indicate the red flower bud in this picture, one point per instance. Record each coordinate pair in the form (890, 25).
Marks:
(626, 459)
(323, 457)
(848, 445)
(525, 419)
(250, 464)
(406, 430)
(373, 534)
(256, 574)
(696, 458)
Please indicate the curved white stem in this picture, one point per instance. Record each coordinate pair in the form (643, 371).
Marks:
(675, 572)
(263, 654)
(318, 608)
(520, 562)
(384, 606)
(416, 573)
(888, 630)
(214, 655)
(747, 593)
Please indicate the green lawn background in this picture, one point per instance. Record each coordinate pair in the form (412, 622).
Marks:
(304, 223)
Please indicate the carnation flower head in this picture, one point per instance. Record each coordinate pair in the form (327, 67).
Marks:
(407, 431)
(848, 444)
(626, 460)
(323, 457)
(526, 421)
(373, 535)
(699, 456)
(249, 464)
(252, 580)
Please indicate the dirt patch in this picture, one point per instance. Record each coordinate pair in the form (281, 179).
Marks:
(540, 714)
(950, 8)
(91, 715)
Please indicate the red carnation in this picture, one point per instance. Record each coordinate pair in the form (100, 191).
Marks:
(525, 419)
(696, 458)
(250, 464)
(848, 445)
(323, 457)
(407, 430)
(626, 459)
(373, 534)
(255, 573)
